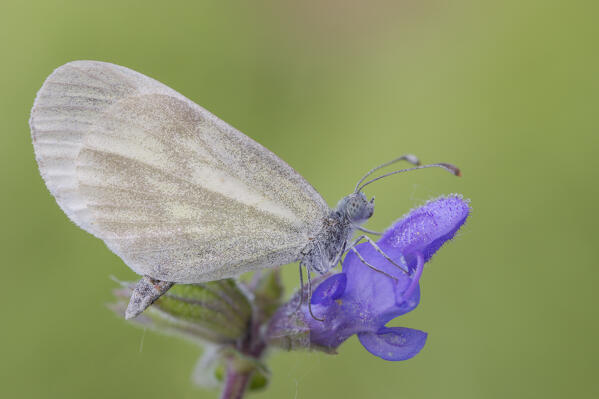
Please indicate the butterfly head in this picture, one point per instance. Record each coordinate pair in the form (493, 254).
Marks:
(356, 207)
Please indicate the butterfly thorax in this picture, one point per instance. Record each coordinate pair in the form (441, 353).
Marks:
(325, 249)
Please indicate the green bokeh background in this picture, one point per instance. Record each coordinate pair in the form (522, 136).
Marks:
(507, 90)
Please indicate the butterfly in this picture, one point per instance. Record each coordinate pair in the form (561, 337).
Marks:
(179, 195)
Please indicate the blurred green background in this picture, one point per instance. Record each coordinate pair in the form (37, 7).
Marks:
(506, 90)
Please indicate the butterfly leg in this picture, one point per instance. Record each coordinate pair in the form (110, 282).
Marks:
(340, 256)
(310, 297)
(301, 293)
(301, 290)
(365, 230)
(379, 250)
(146, 291)
(370, 266)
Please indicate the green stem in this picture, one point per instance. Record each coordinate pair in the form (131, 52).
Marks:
(236, 381)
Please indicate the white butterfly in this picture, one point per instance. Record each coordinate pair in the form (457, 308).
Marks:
(178, 194)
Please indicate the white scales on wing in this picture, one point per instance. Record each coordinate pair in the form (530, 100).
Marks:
(177, 193)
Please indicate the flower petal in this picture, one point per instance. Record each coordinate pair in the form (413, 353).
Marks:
(402, 296)
(393, 343)
(330, 289)
(426, 229)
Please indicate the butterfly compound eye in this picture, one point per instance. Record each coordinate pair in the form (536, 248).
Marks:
(359, 208)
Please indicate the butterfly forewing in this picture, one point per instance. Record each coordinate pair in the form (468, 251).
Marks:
(177, 193)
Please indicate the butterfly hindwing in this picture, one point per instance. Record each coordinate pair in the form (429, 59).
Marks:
(177, 193)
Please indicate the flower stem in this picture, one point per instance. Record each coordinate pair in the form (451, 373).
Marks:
(236, 382)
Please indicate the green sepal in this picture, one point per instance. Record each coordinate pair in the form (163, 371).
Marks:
(217, 311)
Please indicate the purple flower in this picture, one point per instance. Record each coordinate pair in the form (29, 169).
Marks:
(362, 301)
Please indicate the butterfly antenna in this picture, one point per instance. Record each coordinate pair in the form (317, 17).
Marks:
(413, 159)
(447, 166)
